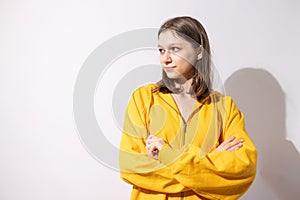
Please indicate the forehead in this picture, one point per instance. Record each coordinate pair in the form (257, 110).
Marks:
(169, 37)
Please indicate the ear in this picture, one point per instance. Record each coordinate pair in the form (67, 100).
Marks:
(199, 53)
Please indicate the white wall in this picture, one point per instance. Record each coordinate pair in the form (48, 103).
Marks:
(43, 45)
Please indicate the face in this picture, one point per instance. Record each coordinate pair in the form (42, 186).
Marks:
(177, 55)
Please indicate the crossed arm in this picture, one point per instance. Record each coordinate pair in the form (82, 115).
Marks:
(225, 173)
(154, 145)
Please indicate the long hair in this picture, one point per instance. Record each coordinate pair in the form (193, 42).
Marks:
(191, 30)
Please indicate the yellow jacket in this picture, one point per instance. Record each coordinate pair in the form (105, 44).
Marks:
(187, 166)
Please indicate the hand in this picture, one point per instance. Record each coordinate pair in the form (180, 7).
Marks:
(154, 145)
(230, 145)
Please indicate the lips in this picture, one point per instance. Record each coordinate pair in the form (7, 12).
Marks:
(169, 68)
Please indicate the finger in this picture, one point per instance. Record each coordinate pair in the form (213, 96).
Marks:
(161, 141)
(224, 143)
(149, 150)
(232, 144)
(150, 147)
(155, 139)
(151, 136)
(151, 140)
(235, 147)
(229, 139)
(155, 154)
(152, 151)
(229, 145)
(153, 146)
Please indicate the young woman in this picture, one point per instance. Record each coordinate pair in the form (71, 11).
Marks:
(181, 139)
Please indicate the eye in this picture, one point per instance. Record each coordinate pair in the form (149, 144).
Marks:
(175, 49)
(161, 50)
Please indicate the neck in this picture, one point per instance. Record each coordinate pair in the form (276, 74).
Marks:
(185, 84)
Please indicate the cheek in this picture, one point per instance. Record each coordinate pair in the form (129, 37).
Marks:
(191, 59)
(178, 59)
(183, 61)
(190, 55)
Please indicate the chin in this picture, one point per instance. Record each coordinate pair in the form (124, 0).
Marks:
(174, 75)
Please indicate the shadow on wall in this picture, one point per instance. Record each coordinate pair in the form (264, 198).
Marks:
(261, 99)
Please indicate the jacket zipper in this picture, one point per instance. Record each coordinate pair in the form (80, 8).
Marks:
(178, 111)
(184, 127)
(184, 131)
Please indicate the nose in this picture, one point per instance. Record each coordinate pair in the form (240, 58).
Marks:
(166, 58)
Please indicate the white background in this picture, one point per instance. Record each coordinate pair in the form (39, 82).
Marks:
(43, 45)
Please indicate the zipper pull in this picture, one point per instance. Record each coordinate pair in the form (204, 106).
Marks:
(184, 132)
(184, 127)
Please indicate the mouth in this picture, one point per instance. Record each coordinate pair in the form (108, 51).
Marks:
(169, 68)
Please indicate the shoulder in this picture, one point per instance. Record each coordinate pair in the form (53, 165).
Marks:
(216, 97)
(142, 97)
(223, 102)
(144, 90)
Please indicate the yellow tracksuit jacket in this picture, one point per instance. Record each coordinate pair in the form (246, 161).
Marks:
(187, 166)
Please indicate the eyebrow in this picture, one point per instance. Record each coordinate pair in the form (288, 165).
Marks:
(172, 44)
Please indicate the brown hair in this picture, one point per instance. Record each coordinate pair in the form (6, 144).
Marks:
(191, 30)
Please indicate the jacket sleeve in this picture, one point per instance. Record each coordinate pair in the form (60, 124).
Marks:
(219, 175)
(136, 167)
